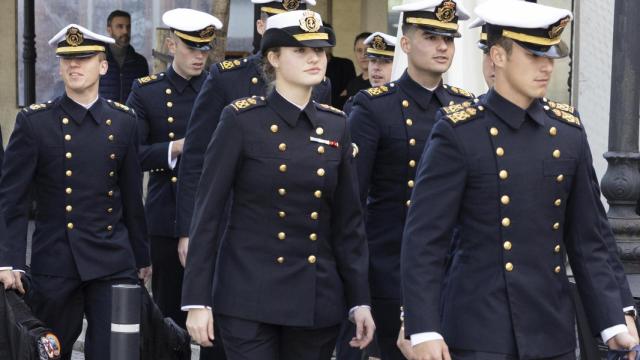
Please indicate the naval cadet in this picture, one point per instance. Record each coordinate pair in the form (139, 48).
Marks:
(227, 81)
(513, 174)
(79, 153)
(292, 263)
(391, 124)
(163, 105)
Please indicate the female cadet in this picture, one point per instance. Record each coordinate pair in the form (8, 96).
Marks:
(293, 260)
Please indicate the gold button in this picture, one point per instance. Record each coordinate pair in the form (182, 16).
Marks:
(313, 237)
(109, 228)
(172, 135)
(70, 226)
(408, 203)
(556, 226)
(282, 192)
(108, 122)
(168, 91)
(169, 104)
(110, 210)
(500, 151)
(317, 194)
(312, 259)
(282, 147)
(409, 122)
(508, 266)
(111, 137)
(68, 208)
(553, 131)
(556, 153)
(319, 131)
(110, 193)
(505, 199)
(170, 120)
(314, 215)
(282, 236)
(280, 260)
(412, 142)
(68, 155)
(254, 80)
(481, 108)
(558, 202)
(282, 214)
(507, 245)
(556, 249)
(560, 178)
(67, 137)
(412, 163)
(283, 168)
(503, 174)
(68, 190)
(274, 128)
(557, 269)
(506, 222)
(112, 173)
(112, 156)
(65, 121)
(320, 149)
(174, 179)
(320, 172)
(68, 173)
(494, 131)
(405, 103)
(410, 183)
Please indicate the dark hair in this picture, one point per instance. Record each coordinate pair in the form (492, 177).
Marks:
(117, 13)
(268, 71)
(503, 42)
(408, 28)
(361, 36)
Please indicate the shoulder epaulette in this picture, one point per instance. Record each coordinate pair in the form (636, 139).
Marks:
(35, 107)
(380, 90)
(121, 107)
(231, 64)
(562, 112)
(462, 112)
(150, 79)
(458, 91)
(329, 108)
(247, 103)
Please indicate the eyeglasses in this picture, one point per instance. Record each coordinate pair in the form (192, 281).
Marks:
(623, 354)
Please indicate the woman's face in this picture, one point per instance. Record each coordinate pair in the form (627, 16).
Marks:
(302, 66)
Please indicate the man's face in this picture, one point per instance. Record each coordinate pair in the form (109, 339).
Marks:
(523, 73)
(488, 71)
(360, 50)
(82, 73)
(189, 61)
(428, 52)
(120, 30)
(380, 71)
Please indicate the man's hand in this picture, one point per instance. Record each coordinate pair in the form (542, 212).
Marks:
(200, 326)
(144, 274)
(183, 248)
(11, 280)
(622, 341)
(176, 148)
(431, 350)
(631, 325)
(404, 345)
(365, 328)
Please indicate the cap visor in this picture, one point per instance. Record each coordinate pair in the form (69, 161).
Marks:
(77, 55)
(440, 32)
(557, 51)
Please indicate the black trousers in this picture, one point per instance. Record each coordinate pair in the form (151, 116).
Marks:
(251, 340)
(61, 303)
(477, 355)
(166, 278)
(386, 314)
(344, 351)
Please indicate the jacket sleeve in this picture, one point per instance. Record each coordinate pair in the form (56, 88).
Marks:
(202, 123)
(18, 171)
(220, 163)
(365, 133)
(589, 250)
(130, 184)
(435, 204)
(347, 227)
(152, 155)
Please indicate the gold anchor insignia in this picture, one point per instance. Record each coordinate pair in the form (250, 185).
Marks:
(556, 30)
(74, 36)
(291, 4)
(446, 11)
(228, 65)
(379, 43)
(308, 22)
(207, 32)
